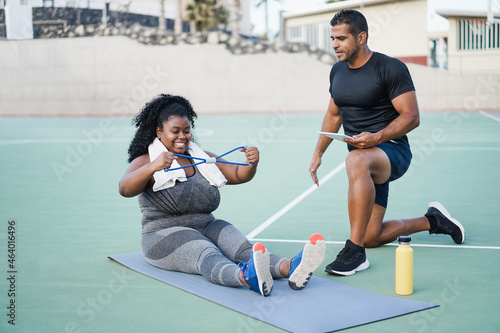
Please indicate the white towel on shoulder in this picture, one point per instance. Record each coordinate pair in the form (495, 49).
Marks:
(165, 180)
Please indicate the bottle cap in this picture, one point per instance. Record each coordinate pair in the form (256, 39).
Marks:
(404, 239)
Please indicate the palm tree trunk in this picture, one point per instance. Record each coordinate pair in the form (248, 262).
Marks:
(161, 22)
(267, 20)
(178, 19)
(235, 16)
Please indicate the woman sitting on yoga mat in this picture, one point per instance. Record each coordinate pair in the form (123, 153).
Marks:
(179, 232)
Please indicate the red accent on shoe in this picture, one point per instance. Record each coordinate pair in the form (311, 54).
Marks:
(314, 238)
(259, 247)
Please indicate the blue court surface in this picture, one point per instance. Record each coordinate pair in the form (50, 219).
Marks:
(59, 180)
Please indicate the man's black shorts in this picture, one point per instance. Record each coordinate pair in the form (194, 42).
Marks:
(400, 157)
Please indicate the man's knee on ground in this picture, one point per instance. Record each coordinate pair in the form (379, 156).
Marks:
(372, 241)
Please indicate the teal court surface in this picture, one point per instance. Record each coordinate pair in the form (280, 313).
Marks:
(59, 196)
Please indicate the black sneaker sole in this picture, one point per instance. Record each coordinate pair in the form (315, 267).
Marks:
(361, 267)
(437, 205)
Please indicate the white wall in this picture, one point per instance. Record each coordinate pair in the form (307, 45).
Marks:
(116, 76)
(440, 90)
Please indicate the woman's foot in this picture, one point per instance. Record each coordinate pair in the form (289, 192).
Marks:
(303, 265)
(256, 272)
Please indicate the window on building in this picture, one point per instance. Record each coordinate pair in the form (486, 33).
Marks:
(294, 34)
(478, 35)
(317, 34)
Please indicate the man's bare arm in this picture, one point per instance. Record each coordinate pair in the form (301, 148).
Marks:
(331, 123)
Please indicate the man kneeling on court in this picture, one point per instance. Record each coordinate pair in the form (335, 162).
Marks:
(373, 97)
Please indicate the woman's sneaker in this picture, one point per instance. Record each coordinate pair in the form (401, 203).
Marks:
(303, 265)
(442, 223)
(350, 260)
(256, 272)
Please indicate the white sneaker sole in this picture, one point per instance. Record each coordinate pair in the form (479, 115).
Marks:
(261, 262)
(440, 207)
(312, 257)
(361, 267)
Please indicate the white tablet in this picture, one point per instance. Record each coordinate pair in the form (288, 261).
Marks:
(336, 136)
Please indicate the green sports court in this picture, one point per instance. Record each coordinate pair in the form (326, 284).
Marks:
(59, 193)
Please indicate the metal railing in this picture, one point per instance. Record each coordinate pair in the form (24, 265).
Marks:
(478, 35)
(317, 34)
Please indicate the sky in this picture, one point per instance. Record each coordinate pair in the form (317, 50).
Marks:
(435, 22)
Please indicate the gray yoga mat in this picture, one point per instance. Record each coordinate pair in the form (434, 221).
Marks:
(323, 306)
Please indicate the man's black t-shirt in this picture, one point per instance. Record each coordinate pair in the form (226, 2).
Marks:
(363, 95)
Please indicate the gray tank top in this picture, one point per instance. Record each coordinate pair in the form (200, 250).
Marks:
(187, 204)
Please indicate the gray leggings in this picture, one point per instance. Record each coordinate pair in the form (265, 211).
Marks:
(212, 252)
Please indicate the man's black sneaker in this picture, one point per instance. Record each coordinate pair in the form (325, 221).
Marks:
(445, 224)
(350, 260)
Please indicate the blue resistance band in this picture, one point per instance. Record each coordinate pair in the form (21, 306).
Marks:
(210, 160)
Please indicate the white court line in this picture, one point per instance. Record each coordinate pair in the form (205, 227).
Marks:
(311, 189)
(390, 244)
(453, 246)
(456, 149)
(301, 197)
(486, 114)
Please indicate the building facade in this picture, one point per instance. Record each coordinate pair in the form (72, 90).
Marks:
(396, 28)
(473, 42)
(399, 29)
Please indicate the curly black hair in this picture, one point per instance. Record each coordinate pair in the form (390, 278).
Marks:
(153, 114)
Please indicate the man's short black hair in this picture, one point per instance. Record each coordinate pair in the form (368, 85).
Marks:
(354, 19)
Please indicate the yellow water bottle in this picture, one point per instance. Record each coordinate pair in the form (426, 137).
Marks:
(404, 266)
